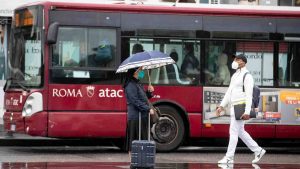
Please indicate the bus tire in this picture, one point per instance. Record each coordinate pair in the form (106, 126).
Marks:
(169, 132)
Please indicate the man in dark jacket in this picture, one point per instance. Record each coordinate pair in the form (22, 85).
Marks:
(137, 102)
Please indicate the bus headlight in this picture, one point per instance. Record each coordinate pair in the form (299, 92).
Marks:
(33, 104)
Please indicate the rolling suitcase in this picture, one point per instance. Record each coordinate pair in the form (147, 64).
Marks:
(143, 151)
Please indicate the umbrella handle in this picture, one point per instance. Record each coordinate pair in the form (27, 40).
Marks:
(149, 77)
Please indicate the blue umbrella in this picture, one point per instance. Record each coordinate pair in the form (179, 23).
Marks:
(146, 59)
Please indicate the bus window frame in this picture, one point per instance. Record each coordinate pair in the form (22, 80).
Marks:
(275, 72)
(40, 24)
(155, 39)
(86, 68)
(289, 83)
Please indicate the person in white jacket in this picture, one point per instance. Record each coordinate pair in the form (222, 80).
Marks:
(234, 95)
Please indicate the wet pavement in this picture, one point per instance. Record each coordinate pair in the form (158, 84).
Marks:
(123, 165)
(110, 157)
(105, 157)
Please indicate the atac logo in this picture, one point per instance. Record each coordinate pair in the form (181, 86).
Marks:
(90, 91)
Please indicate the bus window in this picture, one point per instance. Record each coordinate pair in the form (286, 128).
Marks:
(101, 51)
(190, 66)
(84, 53)
(2, 62)
(219, 56)
(289, 63)
(169, 74)
(260, 60)
(217, 62)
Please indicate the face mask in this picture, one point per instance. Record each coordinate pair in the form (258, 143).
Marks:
(141, 74)
(234, 65)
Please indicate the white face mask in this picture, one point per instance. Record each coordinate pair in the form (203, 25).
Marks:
(234, 65)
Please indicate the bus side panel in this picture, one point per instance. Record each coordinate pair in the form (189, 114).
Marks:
(36, 124)
(287, 131)
(261, 130)
(189, 97)
(222, 130)
(195, 124)
(215, 130)
(87, 124)
(70, 97)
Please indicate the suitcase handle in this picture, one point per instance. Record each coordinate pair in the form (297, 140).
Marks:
(140, 125)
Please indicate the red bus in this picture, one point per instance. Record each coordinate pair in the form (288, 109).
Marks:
(63, 57)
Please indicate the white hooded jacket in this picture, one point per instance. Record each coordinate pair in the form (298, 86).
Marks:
(235, 94)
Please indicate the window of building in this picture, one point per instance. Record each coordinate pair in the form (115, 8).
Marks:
(2, 54)
(4, 34)
(85, 55)
(204, 1)
(285, 2)
(248, 2)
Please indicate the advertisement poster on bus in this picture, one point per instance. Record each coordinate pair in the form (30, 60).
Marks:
(276, 106)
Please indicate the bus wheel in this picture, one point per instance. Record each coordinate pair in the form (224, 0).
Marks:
(169, 132)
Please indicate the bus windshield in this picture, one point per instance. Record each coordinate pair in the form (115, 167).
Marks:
(25, 59)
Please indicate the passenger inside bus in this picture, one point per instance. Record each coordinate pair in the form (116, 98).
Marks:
(222, 76)
(173, 71)
(102, 54)
(190, 65)
(137, 48)
(69, 62)
(172, 68)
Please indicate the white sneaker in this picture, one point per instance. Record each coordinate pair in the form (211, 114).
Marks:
(259, 155)
(255, 166)
(226, 160)
(226, 166)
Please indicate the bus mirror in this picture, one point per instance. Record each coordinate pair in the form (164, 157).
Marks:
(52, 33)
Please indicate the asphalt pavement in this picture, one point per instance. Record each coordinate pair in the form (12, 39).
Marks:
(110, 157)
(121, 165)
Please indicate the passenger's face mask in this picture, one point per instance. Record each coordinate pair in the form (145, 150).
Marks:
(234, 65)
(141, 74)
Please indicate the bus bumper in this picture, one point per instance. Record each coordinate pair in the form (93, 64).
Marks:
(36, 124)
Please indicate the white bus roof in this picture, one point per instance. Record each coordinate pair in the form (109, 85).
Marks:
(191, 7)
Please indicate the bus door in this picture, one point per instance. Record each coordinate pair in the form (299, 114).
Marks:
(289, 83)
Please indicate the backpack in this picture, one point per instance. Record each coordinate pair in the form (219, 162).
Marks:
(255, 94)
